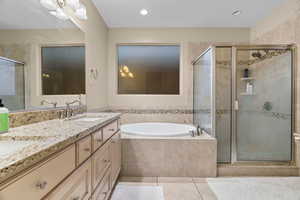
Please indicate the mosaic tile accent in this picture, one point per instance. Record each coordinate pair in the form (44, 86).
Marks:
(151, 111)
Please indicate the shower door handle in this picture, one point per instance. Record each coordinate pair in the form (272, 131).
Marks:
(236, 105)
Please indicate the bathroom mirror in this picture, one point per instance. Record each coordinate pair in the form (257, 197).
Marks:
(39, 49)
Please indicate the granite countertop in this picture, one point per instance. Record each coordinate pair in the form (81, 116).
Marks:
(25, 146)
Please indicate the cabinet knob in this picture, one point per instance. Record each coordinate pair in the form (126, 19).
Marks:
(41, 185)
(105, 161)
(111, 129)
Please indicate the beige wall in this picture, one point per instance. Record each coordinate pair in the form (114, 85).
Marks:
(96, 36)
(181, 36)
(282, 27)
(26, 44)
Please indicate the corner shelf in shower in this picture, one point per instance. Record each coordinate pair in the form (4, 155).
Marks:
(248, 79)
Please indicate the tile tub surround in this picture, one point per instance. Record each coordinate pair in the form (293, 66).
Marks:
(169, 157)
(48, 138)
(26, 117)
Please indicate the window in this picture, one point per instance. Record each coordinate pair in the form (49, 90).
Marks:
(148, 69)
(63, 70)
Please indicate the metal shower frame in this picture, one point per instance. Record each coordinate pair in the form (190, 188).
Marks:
(234, 49)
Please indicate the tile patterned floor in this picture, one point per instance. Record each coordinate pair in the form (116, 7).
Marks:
(237, 188)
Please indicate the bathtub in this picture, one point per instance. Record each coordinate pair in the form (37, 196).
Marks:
(157, 129)
(166, 150)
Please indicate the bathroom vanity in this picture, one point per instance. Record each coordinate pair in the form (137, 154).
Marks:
(77, 159)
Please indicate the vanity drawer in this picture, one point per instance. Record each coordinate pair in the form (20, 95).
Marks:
(109, 130)
(103, 190)
(40, 180)
(75, 187)
(97, 140)
(84, 149)
(101, 161)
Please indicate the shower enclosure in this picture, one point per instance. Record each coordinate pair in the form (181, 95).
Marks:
(244, 96)
(12, 84)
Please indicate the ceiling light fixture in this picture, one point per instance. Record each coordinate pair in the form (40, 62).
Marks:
(236, 13)
(144, 12)
(60, 14)
(56, 8)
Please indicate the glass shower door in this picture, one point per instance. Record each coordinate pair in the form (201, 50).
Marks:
(204, 104)
(12, 84)
(263, 106)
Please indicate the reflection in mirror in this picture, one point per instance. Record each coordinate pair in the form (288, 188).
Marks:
(33, 43)
(63, 70)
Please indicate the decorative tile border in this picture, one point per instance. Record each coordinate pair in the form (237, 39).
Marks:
(276, 115)
(152, 111)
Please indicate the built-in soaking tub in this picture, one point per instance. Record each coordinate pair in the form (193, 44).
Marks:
(167, 149)
(157, 129)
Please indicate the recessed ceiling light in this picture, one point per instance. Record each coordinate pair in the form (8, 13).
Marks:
(144, 12)
(236, 13)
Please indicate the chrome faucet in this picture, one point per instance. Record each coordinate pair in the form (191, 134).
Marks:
(48, 102)
(69, 111)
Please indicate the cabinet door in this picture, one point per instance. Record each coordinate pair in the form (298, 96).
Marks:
(40, 180)
(84, 149)
(109, 130)
(115, 153)
(103, 190)
(75, 187)
(101, 161)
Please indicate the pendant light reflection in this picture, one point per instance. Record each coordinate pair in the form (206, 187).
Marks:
(125, 72)
(56, 8)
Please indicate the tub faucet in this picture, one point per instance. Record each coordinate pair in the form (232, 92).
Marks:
(192, 133)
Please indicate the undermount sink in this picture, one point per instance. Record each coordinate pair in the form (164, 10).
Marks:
(88, 119)
(8, 147)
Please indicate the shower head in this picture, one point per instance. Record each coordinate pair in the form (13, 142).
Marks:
(256, 54)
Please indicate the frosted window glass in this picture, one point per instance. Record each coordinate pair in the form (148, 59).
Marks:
(63, 70)
(148, 69)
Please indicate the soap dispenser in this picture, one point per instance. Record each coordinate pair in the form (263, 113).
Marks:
(4, 121)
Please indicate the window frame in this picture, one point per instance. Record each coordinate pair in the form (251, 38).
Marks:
(41, 46)
(148, 44)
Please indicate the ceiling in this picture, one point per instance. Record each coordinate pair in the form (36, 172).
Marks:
(28, 14)
(184, 13)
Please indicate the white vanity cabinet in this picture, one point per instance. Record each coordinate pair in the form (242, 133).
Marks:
(41, 179)
(86, 170)
(78, 186)
(115, 154)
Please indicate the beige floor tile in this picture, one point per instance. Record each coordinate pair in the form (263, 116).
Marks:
(175, 180)
(180, 191)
